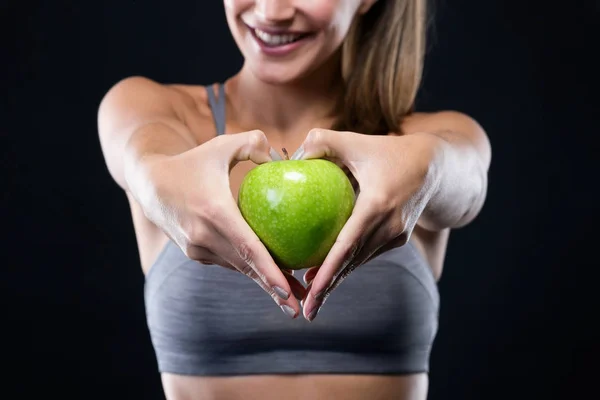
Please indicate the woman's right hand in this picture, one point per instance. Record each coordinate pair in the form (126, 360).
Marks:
(191, 202)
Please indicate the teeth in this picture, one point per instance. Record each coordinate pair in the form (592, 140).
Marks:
(275, 40)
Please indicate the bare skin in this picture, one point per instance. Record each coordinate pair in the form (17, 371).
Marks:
(197, 116)
(151, 133)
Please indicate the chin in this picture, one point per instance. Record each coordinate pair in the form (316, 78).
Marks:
(276, 74)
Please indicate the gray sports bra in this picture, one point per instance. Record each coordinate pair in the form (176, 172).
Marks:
(208, 320)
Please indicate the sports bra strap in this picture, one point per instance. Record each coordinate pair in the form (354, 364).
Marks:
(217, 106)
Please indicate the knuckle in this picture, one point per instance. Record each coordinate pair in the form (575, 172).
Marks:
(196, 235)
(191, 251)
(211, 211)
(314, 137)
(380, 202)
(246, 253)
(256, 277)
(247, 270)
(256, 139)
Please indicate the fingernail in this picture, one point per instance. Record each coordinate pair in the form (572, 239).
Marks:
(281, 293)
(274, 155)
(298, 154)
(313, 314)
(289, 311)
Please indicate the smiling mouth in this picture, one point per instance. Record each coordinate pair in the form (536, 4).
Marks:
(275, 40)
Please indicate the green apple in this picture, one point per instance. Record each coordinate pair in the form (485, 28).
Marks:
(297, 208)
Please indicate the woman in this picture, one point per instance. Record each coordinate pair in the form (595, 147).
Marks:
(325, 78)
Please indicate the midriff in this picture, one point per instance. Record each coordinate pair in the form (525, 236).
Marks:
(296, 387)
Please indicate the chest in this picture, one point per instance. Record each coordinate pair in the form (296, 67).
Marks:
(386, 305)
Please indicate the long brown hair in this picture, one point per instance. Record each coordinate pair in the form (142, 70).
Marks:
(382, 66)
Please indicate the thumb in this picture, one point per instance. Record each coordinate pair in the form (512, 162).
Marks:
(248, 146)
(325, 143)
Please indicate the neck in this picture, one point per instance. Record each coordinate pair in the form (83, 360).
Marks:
(282, 109)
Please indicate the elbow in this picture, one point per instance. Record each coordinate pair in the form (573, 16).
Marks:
(476, 200)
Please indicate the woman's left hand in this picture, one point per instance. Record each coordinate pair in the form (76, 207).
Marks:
(397, 175)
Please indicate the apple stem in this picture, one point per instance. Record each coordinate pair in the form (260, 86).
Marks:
(285, 153)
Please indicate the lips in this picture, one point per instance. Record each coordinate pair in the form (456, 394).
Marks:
(279, 39)
(276, 37)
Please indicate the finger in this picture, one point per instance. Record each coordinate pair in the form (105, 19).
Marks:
(275, 155)
(353, 235)
(310, 275)
(397, 242)
(298, 290)
(252, 258)
(249, 146)
(279, 293)
(324, 143)
(310, 313)
(321, 143)
(305, 295)
(368, 251)
(206, 257)
(377, 243)
(365, 253)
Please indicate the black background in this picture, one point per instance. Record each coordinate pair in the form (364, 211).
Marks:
(514, 323)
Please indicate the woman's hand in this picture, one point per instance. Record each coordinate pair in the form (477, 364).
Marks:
(397, 175)
(191, 202)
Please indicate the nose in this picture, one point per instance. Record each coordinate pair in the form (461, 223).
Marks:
(274, 10)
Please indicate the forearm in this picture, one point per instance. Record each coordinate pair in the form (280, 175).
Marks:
(145, 145)
(137, 118)
(461, 180)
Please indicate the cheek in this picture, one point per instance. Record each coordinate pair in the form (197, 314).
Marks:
(236, 5)
(334, 17)
(324, 15)
(234, 8)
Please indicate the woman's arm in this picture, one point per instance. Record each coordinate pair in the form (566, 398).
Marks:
(183, 186)
(433, 175)
(137, 118)
(463, 156)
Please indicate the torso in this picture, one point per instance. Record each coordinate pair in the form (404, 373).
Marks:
(152, 240)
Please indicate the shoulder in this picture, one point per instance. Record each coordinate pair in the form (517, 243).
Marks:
(141, 87)
(440, 120)
(151, 92)
(139, 95)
